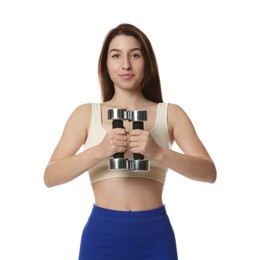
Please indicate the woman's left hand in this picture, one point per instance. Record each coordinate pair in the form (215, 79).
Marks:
(140, 141)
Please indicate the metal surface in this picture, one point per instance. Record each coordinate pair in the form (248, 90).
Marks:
(137, 115)
(117, 113)
(118, 164)
(139, 165)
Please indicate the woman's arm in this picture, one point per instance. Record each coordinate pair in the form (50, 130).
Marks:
(191, 166)
(66, 163)
(194, 163)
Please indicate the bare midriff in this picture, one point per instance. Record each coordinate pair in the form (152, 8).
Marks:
(128, 194)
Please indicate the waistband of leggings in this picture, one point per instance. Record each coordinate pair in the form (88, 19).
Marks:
(156, 212)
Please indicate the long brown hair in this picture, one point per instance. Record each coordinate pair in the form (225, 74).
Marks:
(151, 86)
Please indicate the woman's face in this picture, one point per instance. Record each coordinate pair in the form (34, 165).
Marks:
(125, 62)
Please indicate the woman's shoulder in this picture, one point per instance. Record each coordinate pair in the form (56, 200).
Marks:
(175, 108)
(83, 108)
(80, 117)
(179, 120)
(82, 113)
(177, 114)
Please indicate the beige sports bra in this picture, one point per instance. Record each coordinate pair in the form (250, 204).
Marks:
(159, 132)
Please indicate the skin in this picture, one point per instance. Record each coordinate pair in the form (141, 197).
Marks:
(126, 68)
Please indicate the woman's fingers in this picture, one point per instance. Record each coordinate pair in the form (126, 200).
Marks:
(140, 141)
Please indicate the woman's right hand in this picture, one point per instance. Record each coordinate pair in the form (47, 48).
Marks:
(115, 141)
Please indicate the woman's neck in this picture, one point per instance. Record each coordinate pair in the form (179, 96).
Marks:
(129, 101)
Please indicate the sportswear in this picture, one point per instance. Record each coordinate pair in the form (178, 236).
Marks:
(159, 132)
(128, 235)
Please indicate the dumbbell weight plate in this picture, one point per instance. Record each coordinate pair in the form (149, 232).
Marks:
(118, 164)
(117, 113)
(137, 115)
(139, 165)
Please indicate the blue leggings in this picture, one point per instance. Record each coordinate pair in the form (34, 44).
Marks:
(128, 235)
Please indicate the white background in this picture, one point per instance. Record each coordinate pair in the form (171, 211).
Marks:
(209, 61)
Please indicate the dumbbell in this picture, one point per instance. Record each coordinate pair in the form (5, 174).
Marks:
(138, 164)
(118, 162)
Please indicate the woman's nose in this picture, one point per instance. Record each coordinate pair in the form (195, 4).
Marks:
(126, 64)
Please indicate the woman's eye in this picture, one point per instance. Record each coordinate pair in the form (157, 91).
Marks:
(136, 55)
(116, 56)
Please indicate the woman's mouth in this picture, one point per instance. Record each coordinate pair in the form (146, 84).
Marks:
(126, 76)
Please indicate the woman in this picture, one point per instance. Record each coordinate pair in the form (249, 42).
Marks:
(129, 219)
